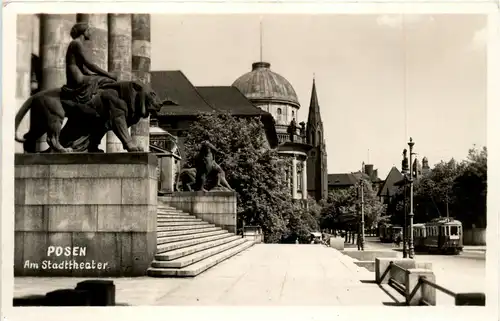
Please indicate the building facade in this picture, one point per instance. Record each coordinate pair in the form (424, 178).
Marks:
(317, 156)
(272, 93)
(348, 180)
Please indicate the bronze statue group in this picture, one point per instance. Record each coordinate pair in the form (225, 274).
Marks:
(95, 102)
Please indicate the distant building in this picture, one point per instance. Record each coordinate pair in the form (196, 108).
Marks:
(303, 143)
(317, 157)
(388, 188)
(347, 180)
(395, 179)
(187, 102)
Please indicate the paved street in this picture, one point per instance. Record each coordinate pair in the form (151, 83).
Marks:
(459, 273)
(265, 274)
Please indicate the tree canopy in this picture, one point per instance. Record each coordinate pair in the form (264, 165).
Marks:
(457, 189)
(256, 173)
(343, 211)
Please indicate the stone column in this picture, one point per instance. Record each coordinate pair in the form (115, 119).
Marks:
(54, 41)
(141, 62)
(294, 177)
(24, 35)
(304, 179)
(119, 61)
(97, 47)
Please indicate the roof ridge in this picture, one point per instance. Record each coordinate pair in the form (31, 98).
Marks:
(198, 93)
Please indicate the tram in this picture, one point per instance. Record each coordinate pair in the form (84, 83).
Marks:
(419, 234)
(443, 235)
(389, 232)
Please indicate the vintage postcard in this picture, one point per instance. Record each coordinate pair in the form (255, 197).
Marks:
(227, 158)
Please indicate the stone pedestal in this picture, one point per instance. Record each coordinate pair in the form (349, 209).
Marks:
(89, 214)
(217, 208)
(253, 233)
(169, 164)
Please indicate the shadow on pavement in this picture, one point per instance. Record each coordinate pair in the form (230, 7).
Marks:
(368, 281)
(395, 302)
(42, 300)
(86, 293)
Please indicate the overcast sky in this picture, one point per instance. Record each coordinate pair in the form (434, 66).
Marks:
(359, 62)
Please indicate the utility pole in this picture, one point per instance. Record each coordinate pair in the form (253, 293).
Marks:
(411, 245)
(405, 224)
(404, 171)
(447, 210)
(362, 216)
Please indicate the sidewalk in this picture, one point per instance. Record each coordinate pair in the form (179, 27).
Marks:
(265, 274)
(475, 248)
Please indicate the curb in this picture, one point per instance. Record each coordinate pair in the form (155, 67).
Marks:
(349, 263)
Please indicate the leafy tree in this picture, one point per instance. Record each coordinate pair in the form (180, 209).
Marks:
(254, 171)
(343, 208)
(457, 189)
(470, 189)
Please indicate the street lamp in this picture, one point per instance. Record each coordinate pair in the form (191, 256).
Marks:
(404, 171)
(411, 245)
(362, 215)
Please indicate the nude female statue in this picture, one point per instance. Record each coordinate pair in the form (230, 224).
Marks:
(81, 85)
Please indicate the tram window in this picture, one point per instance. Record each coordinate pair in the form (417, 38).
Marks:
(453, 230)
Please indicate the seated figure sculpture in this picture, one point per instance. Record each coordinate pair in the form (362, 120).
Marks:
(93, 104)
(81, 85)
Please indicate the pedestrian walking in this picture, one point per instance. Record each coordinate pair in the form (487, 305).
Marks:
(360, 242)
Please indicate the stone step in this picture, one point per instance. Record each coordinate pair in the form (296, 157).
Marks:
(183, 227)
(187, 232)
(169, 239)
(165, 206)
(172, 211)
(198, 267)
(175, 216)
(183, 223)
(161, 248)
(198, 256)
(174, 254)
(179, 219)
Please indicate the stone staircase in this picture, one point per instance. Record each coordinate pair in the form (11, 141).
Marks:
(187, 246)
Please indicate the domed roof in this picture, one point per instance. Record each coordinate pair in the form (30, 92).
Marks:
(261, 84)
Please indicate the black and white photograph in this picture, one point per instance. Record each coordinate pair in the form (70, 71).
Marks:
(249, 159)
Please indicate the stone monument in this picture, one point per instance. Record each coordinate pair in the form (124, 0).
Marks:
(205, 192)
(79, 211)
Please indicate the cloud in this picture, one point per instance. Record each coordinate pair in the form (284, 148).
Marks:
(396, 20)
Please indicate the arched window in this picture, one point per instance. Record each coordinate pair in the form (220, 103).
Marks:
(293, 114)
(280, 112)
(320, 140)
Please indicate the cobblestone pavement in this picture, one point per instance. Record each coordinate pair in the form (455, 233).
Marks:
(265, 274)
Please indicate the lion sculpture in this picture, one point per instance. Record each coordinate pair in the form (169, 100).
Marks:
(196, 179)
(117, 106)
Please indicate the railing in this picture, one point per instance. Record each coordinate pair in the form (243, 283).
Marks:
(477, 299)
(284, 138)
(399, 280)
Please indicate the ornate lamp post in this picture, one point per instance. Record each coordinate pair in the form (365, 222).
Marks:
(411, 245)
(404, 170)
